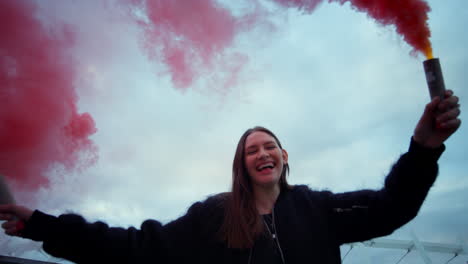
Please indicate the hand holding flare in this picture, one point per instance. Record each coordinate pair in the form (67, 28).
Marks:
(439, 121)
(14, 215)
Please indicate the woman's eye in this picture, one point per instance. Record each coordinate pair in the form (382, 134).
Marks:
(251, 152)
(270, 147)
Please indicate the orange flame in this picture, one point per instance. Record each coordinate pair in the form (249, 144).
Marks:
(428, 52)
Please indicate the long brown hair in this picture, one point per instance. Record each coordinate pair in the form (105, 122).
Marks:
(242, 224)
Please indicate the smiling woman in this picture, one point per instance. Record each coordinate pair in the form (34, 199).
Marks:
(263, 219)
(259, 174)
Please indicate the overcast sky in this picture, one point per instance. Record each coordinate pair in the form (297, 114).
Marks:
(342, 94)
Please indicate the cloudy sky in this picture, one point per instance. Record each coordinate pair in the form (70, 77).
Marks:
(342, 93)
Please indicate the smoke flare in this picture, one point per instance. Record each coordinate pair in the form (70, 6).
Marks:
(408, 16)
(39, 121)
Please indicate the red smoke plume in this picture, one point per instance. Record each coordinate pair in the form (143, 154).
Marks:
(192, 38)
(408, 16)
(39, 122)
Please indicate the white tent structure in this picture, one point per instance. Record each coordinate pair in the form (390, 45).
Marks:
(422, 248)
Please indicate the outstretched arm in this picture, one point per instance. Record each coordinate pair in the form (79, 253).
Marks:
(71, 237)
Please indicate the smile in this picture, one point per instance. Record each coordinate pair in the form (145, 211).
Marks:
(263, 166)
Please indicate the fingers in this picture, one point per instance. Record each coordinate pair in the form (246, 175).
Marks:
(453, 124)
(8, 211)
(10, 219)
(449, 111)
(448, 93)
(448, 115)
(450, 101)
(431, 107)
(6, 217)
(9, 225)
(17, 211)
(13, 227)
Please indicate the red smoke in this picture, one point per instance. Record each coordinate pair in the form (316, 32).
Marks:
(192, 38)
(408, 16)
(39, 121)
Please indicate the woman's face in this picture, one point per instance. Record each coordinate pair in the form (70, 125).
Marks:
(264, 159)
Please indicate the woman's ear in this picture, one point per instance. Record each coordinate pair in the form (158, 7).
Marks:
(285, 156)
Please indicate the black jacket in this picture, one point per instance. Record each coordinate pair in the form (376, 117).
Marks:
(311, 225)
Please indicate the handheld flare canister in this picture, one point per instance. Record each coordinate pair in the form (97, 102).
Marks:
(5, 195)
(434, 78)
(7, 198)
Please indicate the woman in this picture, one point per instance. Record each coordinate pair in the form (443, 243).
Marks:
(263, 219)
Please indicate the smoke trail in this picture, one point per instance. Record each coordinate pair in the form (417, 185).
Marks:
(39, 121)
(408, 16)
(192, 38)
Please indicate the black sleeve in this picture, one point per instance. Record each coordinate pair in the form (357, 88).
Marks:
(71, 237)
(362, 215)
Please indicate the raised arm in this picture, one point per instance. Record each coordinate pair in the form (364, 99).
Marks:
(362, 215)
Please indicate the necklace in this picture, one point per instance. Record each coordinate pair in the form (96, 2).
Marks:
(272, 232)
(267, 219)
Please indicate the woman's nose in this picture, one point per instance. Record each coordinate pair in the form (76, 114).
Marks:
(262, 154)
